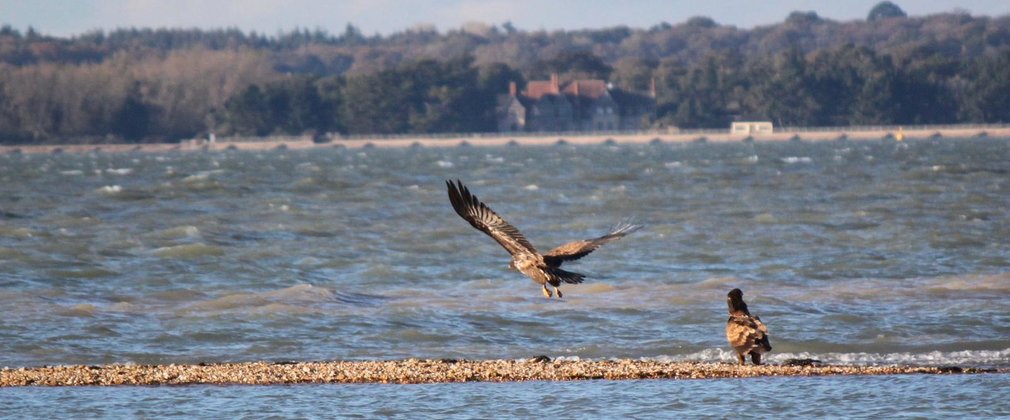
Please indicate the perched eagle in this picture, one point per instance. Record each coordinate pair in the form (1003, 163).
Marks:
(542, 268)
(745, 332)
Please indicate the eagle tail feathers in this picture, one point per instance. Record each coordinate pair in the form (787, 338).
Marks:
(557, 276)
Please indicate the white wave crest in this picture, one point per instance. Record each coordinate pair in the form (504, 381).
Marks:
(110, 189)
(196, 177)
(933, 358)
(568, 358)
(797, 159)
(196, 250)
(177, 232)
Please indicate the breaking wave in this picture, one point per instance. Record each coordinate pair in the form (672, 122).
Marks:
(999, 358)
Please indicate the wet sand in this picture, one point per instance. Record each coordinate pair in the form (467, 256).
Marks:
(496, 139)
(414, 371)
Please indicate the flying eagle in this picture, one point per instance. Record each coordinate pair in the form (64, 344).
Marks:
(542, 268)
(745, 332)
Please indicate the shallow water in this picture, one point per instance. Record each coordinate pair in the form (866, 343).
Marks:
(852, 252)
(956, 396)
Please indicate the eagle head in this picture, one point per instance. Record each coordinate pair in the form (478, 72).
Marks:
(735, 302)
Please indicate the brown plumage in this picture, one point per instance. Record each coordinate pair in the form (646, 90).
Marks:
(745, 332)
(544, 269)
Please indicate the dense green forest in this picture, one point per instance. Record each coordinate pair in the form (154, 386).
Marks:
(142, 85)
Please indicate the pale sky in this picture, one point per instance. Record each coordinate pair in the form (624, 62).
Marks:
(269, 17)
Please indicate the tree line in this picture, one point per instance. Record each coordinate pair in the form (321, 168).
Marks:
(144, 85)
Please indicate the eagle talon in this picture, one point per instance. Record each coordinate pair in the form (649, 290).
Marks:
(558, 291)
(547, 293)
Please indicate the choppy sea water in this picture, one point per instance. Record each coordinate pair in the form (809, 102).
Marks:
(827, 397)
(872, 252)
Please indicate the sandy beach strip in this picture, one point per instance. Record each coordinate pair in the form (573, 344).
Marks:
(526, 139)
(415, 371)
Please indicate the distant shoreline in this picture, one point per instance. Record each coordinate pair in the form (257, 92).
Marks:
(525, 139)
(415, 371)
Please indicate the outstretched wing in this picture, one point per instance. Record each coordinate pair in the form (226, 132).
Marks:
(578, 249)
(480, 216)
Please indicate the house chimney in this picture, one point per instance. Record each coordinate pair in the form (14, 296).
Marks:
(555, 85)
(512, 88)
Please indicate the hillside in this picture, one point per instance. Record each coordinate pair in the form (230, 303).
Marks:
(170, 84)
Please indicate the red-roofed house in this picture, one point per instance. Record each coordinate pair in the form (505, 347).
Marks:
(577, 105)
